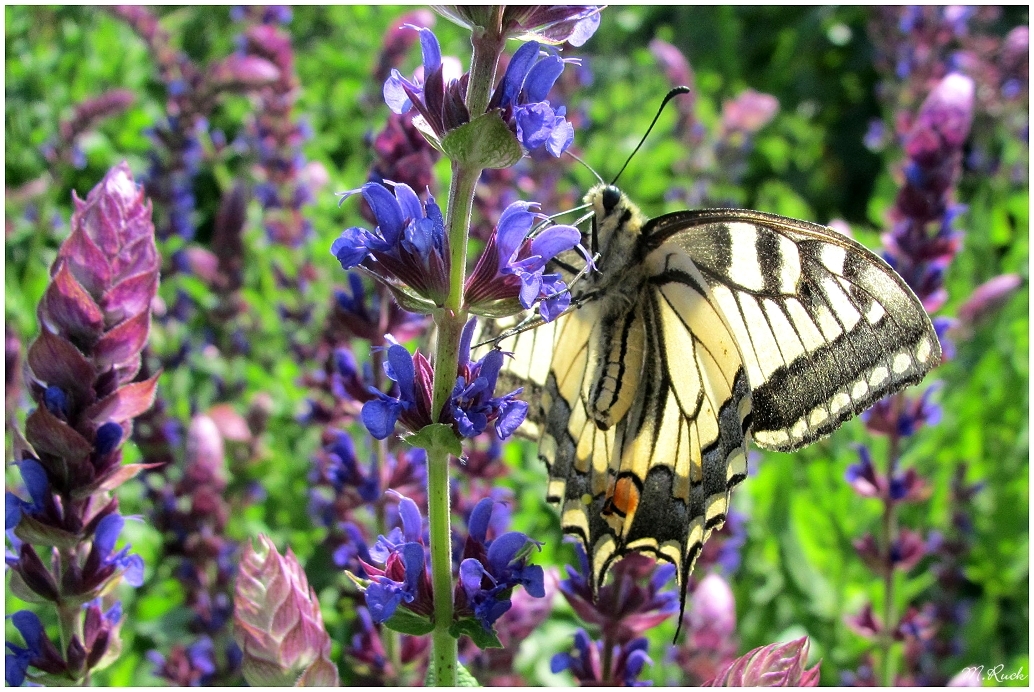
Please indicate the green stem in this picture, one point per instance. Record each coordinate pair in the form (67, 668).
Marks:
(449, 321)
(69, 617)
(488, 45)
(444, 649)
(608, 660)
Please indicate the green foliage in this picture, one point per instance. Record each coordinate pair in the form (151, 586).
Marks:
(800, 573)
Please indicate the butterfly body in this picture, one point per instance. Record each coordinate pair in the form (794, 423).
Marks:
(700, 331)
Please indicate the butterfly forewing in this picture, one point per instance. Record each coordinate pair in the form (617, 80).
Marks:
(825, 327)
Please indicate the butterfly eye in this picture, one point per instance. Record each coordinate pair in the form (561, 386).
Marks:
(611, 197)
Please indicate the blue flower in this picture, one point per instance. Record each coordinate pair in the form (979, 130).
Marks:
(470, 409)
(352, 550)
(17, 662)
(399, 93)
(38, 652)
(412, 405)
(473, 405)
(408, 246)
(108, 530)
(107, 438)
(342, 469)
(512, 265)
(404, 577)
(522, 97)
(491, 569)
(584, 662)
(56, 401)
(38, 485)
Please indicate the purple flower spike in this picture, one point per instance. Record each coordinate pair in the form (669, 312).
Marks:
(512, 265)
(922, 242)
(407, 247)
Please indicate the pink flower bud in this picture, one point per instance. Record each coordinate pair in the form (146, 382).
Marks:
(672, 61)
(775, 665)
(244, 72)
(277, 622)
(989, 297)
(205, 450)
(944, 118)
(749, 111)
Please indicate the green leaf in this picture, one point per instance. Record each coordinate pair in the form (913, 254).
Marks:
(472, 628)
(436, 437)
(408, 622)
(484, 142)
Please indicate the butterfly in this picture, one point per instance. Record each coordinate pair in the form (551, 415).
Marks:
(700, 331)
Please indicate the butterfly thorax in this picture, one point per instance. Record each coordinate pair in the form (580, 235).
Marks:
(615, 235)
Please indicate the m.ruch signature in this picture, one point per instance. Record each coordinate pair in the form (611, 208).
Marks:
(997, 673)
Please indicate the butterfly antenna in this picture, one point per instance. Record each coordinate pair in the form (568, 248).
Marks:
(677, 91)
(591, 169)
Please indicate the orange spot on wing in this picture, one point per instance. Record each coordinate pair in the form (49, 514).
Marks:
(623, 498)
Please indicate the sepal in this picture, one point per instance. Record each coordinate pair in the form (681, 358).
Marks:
(484, 142)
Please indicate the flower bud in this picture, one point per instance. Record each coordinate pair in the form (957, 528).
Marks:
(277, 622)
(775, 665)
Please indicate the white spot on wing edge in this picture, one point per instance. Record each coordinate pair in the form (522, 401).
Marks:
(744, 266)
(878, 376)
(839, 402)
(771, 438)
(902, 362)
(832, 257)
(924, 350)
(790, 265)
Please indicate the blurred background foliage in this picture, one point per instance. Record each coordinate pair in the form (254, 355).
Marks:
(799, 574)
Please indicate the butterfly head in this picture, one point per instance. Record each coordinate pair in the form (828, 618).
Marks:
(616, 222)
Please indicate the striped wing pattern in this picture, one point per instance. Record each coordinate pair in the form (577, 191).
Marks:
(825, 327)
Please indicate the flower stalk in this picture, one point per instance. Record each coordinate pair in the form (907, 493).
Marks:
(449, 322)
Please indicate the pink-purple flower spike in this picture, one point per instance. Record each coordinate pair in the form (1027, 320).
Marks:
(94, 317)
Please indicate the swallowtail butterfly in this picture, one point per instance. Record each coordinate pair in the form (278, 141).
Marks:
(700, 331)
